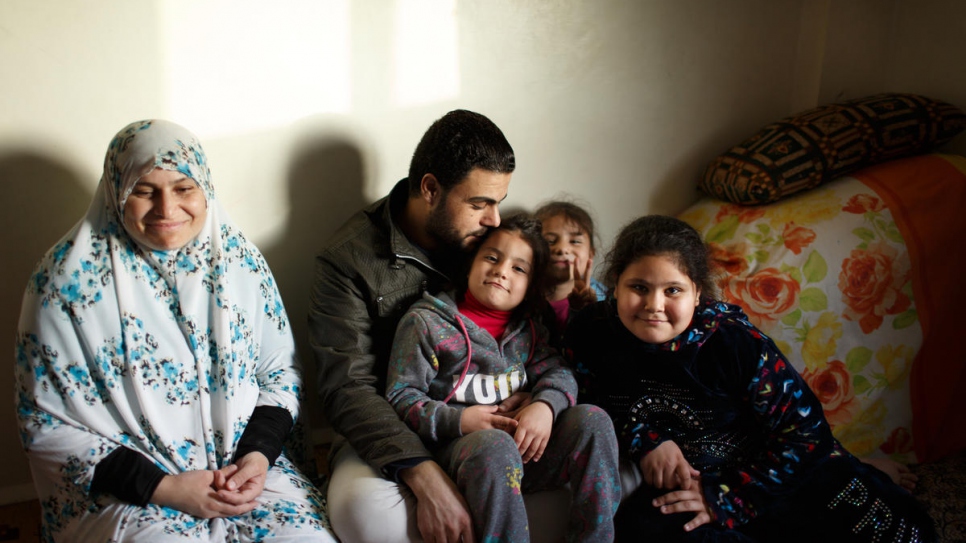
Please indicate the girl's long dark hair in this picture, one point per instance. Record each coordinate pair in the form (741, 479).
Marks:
(529, 229)
(660, 235)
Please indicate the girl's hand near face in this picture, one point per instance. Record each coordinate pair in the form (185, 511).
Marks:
(533, 431)
(583, 294)
(665, 467)
(485, 417)
(682, 501)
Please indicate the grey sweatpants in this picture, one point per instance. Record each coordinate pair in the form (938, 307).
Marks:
(581, 452)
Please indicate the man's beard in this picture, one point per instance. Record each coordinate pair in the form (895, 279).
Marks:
(449, 240)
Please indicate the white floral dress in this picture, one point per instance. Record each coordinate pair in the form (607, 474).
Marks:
(165, 353)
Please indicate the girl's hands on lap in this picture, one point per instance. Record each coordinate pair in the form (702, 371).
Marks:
(533, 431)
(193, 492)
(485, 417)
(511, 406)
(665, 467)
(682, 501)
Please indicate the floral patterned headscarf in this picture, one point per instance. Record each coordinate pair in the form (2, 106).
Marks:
(145, 145)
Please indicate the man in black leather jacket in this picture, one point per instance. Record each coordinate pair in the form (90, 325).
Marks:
(367, 275)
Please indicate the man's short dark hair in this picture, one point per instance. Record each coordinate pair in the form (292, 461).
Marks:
(455, 144)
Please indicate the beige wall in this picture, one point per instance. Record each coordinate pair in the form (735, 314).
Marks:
(309, 109)
(916, 46)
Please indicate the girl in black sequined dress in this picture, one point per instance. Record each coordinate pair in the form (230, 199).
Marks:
(731, 442)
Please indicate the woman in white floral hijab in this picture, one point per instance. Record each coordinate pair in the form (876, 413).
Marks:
(156, 370)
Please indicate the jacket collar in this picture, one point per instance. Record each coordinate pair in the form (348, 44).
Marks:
(392, 205)
(402, 248)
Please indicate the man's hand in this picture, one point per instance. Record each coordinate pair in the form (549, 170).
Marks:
(681, 501)
(244, 481)
(665, 467)
(533, 432)
(441, 512)
(485, 417)
(192, 492)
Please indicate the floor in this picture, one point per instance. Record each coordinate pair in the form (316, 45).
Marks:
(20, 522)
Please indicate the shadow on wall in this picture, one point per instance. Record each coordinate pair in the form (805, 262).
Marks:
(325, 183)
(43, 199)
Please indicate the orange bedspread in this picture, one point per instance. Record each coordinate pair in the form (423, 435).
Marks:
(927, 197)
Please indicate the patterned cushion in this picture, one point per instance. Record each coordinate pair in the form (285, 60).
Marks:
(821, 144)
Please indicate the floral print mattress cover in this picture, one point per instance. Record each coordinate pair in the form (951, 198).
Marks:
(860, 283)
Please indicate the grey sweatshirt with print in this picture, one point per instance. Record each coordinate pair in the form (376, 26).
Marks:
(430, 352)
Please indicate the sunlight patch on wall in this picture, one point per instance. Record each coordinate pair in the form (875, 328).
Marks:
(426, 52)
(239, 66)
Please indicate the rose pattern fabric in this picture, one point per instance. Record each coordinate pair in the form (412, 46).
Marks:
(871, 283)
(833, 386)
(826, 274)
(797, 238)
(765, 295)
(730, 259)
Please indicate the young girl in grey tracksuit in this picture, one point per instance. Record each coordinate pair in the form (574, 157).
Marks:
(455, 359)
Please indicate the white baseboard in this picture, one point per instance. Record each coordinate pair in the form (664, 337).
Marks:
(17, 493)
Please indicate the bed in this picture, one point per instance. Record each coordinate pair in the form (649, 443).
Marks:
(857, 274)
(859, 283)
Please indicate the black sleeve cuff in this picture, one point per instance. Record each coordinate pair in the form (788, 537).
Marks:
(128, 475)
(391, 470)
(265, 433)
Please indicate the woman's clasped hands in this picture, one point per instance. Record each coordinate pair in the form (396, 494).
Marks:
(226, 492)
